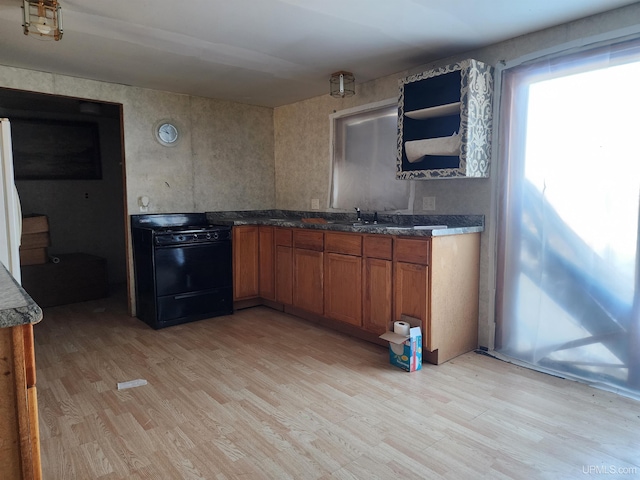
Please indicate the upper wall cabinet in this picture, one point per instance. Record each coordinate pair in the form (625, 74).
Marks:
(445, 119)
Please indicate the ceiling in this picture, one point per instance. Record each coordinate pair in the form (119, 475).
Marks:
(269, 52)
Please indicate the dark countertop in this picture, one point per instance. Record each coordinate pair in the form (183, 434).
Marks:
(16, 306)
(344, 222)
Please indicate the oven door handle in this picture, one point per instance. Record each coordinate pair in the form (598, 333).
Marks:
(186, 295)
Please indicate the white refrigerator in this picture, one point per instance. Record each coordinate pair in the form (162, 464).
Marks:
(10, 214)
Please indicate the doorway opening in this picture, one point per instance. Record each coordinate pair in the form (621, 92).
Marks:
(69, 165)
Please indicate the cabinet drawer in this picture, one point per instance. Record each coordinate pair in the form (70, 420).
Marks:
(308, 239)
(347, 243)
(378, 246)
(412, 250)
(283, 237)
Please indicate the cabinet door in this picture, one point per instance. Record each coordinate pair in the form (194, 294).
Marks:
(377, 298)
(246, 267)
(308, 280)
(411, 294)
(266, 261)
(284, 274)
(343, 288)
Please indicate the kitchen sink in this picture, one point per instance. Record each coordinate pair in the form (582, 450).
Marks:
(342, 222)
(371, 225)
(351, 223)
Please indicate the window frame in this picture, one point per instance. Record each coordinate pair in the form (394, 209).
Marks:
(333, 118)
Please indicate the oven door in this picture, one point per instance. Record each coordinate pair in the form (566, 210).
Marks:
(192, 268)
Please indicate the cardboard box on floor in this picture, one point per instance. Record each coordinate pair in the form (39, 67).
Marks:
(405, 351)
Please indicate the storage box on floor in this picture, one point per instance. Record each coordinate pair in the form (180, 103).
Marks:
(35, 240)
(405, 343)
(77, 277)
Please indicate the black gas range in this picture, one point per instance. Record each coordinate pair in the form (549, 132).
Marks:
(183, 268)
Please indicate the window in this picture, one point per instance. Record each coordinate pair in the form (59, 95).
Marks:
(568, 278)
(364, 144)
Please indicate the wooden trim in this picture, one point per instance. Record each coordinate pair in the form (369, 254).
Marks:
(273, 304)
(247, 303)
(22, 403)
(9, 444)
(29, 355)
(337, 325)
(258, 302)
(32, 400)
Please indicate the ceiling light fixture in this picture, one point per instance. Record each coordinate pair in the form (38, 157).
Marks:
(342, 84)
(42, 18)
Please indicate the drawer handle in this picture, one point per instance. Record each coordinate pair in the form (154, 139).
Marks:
(184, 295)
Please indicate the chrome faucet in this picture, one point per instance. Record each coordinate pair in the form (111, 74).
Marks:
(358, 216)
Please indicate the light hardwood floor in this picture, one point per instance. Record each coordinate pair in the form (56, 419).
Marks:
(260, 394)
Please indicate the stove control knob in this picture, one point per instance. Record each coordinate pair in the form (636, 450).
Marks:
(195, 236)
(208, 236)
(180, 238)
(215, 235)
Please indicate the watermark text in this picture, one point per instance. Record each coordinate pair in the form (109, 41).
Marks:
(609, 470)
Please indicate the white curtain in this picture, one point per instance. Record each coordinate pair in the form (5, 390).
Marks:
(568, 296)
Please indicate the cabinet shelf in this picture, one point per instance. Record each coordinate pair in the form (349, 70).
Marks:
(433, 112)
(442, 146)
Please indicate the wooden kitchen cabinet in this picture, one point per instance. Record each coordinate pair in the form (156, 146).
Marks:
(343, 277)
(284, 265)
(308, 270)
(266, 258)
(246, 264)
(365, 281)
(436, 280)
(19, 433)
(377, 281)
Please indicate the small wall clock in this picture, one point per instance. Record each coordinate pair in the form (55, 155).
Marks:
(167, 133)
